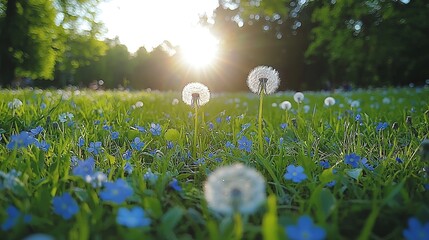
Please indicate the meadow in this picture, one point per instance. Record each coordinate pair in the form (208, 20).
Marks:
(82, 164)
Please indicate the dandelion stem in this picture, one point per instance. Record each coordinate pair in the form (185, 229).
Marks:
(260, 138)
(194, 152)
(238, 226)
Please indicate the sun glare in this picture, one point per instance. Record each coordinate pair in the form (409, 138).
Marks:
(200, 49)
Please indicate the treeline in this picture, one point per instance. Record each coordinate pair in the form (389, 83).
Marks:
(313, 44)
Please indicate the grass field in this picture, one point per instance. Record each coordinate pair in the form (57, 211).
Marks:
(123, 165)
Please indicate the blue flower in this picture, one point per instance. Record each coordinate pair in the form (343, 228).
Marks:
(174, 184)
(96, 122)
(137, 144)
(358, 117)
(283, 125)
(200, 161)
(229, 145)
(155, 129)
(381, 126)
(128, 168)
(127, 154)
(324, 164)
(170, 144)
(296, 174)
(65, 206)
(150, 176)
(352, 160)
(245, 144)
(14, 216)
(36, 131)
(95, 148)
(267, 139)
(43, 145)
(399, 160)
(84, 168)
(211, 125)
(80, 142)
(21, 140)
(42, 106)
(63, 117)
(116, 192)
(416, 230)
(114, 135)
(365, 163)
(305, 229)
(245, 126)
(331, 183)
(107, 127)
(140, 129)
(228, 119)
(218, 119)
(134, 217)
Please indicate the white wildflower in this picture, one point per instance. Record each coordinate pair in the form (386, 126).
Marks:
(355, 104)
(175, 101)
(263, 78)
(195, 93)
(329, 101)
(235, 188)
(298, 97)
(15, 104)
(286, 105)
(138, 104)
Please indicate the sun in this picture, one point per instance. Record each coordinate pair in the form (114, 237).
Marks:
(200, 48)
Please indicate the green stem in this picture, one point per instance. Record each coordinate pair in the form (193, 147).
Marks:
(195, 131)
(261, 142)
(238, 226)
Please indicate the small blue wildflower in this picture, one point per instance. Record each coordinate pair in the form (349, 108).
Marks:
(42, 106)
(107, 127)
(36, 131)
(358, 117)
(352, 160)
(331, 183)
(283, 125)
(305, 229)
(96, 122)
(95, 148)
(64, 116)
(140, 128)
(134, 217)
(114, 135)
(174, 184)
(155, 129)
(84, 168)
(211, 125)
(416, 230)
(170, 144)
(365, 163)
(43, 145)
(229, 145)
(21, 140)
(116, 192)
(281, 140)
(200, 161)
(10, 180)
(65, 206)
(399, 160)
(137, 144)
(14, 216)
(211, 155)
(245, 144)
(80, 142)
(150, 176)
(127, 154)
(381, 126)
(228, 119)
(128, 168)
(74, 161)
(267, 139)
(324, 164)
(245, 126)
(218, 119)
(295, 173)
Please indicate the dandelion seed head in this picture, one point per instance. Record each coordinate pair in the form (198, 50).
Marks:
(195, 92)
(235, 188)
(329, 101)
(263, 78)
(285, 105)
(298, 97)
(139, 104)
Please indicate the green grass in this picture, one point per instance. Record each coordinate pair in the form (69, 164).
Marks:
(363, 204)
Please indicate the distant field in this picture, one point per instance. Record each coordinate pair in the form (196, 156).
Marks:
(84, 164)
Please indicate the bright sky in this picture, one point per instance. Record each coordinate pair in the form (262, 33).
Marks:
(149, 22)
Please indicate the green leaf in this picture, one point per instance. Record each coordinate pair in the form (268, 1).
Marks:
(327, 176)
(326, 202)
(354, 173)
(171, 218)
(269, 222)
(153, 205)
(111, 159)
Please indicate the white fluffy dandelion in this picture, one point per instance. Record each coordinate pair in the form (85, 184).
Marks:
(175, 101)
(286, 105)
(235, 188)
(355, 104)
(195, 93)
(15, 104)
(298, 97)
(263, 78)
(138, 104)
(329, 101)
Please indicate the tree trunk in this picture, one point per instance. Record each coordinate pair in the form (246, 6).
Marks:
(7, 63)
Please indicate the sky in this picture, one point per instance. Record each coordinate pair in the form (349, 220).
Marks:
(149, 22)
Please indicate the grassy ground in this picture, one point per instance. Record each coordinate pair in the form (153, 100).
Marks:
(372, 199)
